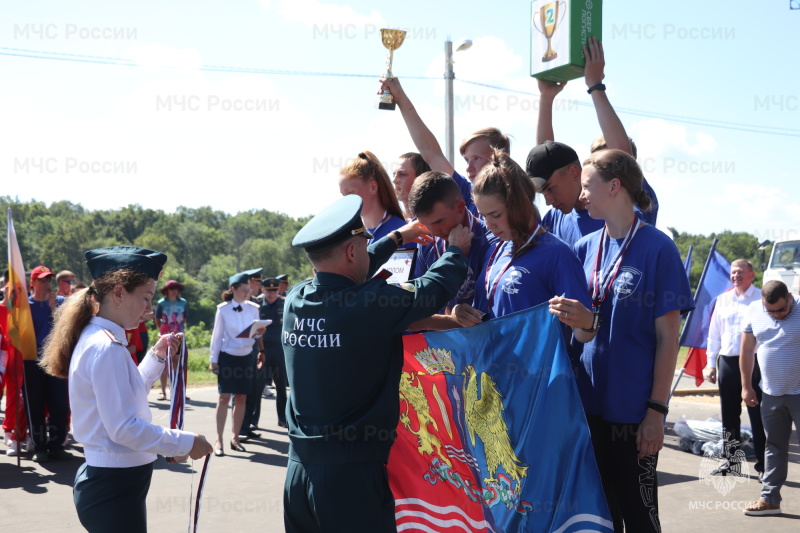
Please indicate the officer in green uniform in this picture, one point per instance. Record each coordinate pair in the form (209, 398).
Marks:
(259, 376)
(342, 340)
(284, 287)
(272, 309)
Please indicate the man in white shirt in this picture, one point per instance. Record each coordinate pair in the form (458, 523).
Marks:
(724, 339)
(773, 323)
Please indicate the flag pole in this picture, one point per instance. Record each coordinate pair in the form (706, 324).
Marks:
(689, 317)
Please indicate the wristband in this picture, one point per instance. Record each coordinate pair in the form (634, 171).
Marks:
(658, 407)
(596, 87)
(596, 321)
(398, 236)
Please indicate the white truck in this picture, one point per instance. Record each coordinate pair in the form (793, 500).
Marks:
(784, 265)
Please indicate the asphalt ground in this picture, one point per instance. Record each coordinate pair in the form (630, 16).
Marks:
(244, 490)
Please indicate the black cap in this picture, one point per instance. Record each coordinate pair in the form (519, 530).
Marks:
(104, 260)
(333, 225)
(546, 158)
(270, 284)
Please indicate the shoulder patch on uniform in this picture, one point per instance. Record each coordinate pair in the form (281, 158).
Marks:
(249, 302)
(223, 304)
(406, 286)
(113, 338)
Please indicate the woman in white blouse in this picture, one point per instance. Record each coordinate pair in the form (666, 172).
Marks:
(231, 356)
(108, 392)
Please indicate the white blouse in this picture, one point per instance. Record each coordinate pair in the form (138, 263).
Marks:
(228, 324)
(108, 399)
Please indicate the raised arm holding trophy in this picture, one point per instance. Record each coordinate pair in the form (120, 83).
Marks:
(392, 39)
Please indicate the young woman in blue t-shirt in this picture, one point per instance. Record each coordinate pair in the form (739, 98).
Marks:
(639, 290)
(528, 266)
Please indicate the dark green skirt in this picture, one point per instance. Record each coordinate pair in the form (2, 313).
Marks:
(112, 500)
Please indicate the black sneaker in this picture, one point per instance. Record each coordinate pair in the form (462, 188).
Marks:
(40, 457)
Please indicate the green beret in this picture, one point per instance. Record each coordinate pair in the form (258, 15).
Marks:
(104, 260)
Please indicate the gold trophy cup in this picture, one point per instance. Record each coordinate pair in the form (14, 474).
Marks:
(392, 39)
(549, 21)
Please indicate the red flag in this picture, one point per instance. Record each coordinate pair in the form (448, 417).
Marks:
(695, 363)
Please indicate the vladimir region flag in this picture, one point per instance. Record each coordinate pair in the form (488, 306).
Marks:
(492, 434)
(20, 324)
(714, 281)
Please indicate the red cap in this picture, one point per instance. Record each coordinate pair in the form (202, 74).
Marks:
(41, 272)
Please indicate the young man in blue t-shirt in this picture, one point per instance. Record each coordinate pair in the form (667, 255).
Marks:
(435, 199)
(555, 167)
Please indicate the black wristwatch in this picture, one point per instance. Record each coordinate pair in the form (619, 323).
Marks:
(596, 87)
(399, 237)
(658, 407)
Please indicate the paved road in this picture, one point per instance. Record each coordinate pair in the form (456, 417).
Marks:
(243, 492)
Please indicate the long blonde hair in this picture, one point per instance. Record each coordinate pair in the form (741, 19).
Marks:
(74, 315)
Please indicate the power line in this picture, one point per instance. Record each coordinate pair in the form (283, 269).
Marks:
(103, 60)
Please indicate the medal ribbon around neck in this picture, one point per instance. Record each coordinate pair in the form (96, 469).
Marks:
(491, 284)
(602, 282)
(470, 222)
(383, 221)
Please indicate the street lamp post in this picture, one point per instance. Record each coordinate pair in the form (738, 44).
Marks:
(449, 76)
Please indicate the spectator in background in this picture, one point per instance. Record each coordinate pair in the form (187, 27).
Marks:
(170, 317)
(65, 280)
(43, 391)
(724, 342)
(774, 325)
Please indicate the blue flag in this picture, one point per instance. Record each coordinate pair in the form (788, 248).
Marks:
(687, 263)
(714, 281)
(492, 433)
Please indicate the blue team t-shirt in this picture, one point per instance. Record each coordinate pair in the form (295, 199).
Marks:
(466, 192)
(577, 223)
(392, 223)
(543, 271)
(482, 240)
(615, 378)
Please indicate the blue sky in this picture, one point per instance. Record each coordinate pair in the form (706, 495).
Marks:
(153, 128)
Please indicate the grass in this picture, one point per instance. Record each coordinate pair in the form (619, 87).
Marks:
(199, 373)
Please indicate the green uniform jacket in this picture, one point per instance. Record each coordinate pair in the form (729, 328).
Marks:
(344, 354)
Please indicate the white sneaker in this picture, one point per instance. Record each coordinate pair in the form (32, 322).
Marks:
(28, 445)
(12, 448)
(267, 393)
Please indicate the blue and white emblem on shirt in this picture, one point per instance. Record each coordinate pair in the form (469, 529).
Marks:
(627, 281)
(514, 279)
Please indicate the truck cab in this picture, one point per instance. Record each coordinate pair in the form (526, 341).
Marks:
(784, 265)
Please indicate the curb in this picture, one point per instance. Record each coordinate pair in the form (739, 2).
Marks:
(696, 392)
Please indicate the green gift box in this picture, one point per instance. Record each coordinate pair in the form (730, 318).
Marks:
(559, 28)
